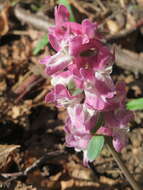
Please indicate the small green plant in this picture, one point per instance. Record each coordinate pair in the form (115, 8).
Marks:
(41, 44)
(136, 104)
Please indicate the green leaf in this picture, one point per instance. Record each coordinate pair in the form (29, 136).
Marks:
(95, 146)
(100, 121)
(41, 44)
(136, 104)
(77, 91)
(73, 89)
(71, 85)
(66, 4)
(34, 7)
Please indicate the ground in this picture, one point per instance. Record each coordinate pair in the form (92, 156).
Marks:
(30, 128)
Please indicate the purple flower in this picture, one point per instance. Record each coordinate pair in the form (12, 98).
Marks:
(99, 91)
(116, 125)
(62, 97)
(72, 40)
(80, 75)
(79, 123)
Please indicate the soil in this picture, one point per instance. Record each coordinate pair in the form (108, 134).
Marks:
(38, 128)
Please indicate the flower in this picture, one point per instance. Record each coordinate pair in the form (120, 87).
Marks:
(72, 40)
(79, 123)
(99, 91)
(80, 75)
(62, 97)
(116, 125)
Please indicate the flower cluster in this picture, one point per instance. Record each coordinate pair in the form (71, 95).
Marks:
(80, 76)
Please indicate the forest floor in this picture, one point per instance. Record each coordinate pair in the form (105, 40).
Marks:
(33, 155)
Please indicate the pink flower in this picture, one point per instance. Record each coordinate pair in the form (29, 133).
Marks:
(91, 57)
(99, 91)
(71, 39)
(90, 29)
(61, 15)
(118, 101)
(80, 74)
(62, 97)
(116, 126)
(77, 141)
(64, 29)
(78, 126)
(63, 78)
(57, 62)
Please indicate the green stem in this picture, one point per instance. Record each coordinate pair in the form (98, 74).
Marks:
(123, 168)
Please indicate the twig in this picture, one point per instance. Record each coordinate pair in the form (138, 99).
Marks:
(24, 85)
(101, 5)
(43, 22)
(38, 21)
(29, 82)
(123, 168)
(95, 8)
(20, 33)
(129, 60)
(111, 17)
(124, 32)
(35, 165)
(79, 7)
(40, 96)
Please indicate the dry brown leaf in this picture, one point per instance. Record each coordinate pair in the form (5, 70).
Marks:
(67, 184)
(130, 21)
(4, 23)
(79, 172)
(107, 180)
(22, 186)
(5, 154)
(112, 26)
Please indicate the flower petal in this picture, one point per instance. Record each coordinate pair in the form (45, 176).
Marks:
(57, 62)
(61, 15)
(89, 28)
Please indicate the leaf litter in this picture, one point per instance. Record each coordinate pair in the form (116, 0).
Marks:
(38, 128)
